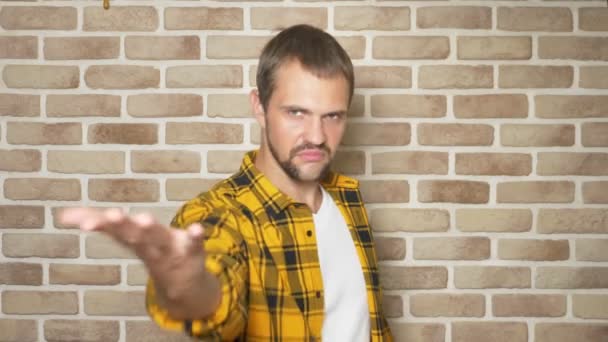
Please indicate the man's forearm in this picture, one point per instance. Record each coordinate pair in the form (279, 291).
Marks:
(196, 300)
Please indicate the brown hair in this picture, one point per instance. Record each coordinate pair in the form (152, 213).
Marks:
(316, 50)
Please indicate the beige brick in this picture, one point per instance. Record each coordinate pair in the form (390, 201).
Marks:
(353, 45)
(19, 105)
(59, 330)
(595, 134)
(489, 331)
(120, 18)
(387, 134)
(124, 190)
(452, 248)
(165, 161)
(595, 192)
(418, 332)
(59, 48)
(392, 306)
(183, 189)
(533, 249)
(592, 249)
(565, 332)
(553, 19)
(357, 18)
(453, 191)
(19, 47)
(410, 220)
(39, 302)
(389, 248)
(499, 106)
(82, 105)
(383, 77)
(137, 274)
(571, 106)
(562, 277)
(203, 133)
(221, 46)
(203, 18)
(567, 220)
(489, 277)
(349, 162)
(164, 105)
(147, 331)
(413, 277)
(535, 192)
(72, 274)
(448, 134)
(494, 47)
(572, 163)
(533, 76)
(455, 17)
(205, 76)
(385, 191)
(50, 189)
(18, 330)
(408, 106)
(571, 47)
(90, 162)
(163, 47)
(21, 216)
(20, 160)
(447, 305)
(494, 164)
(99, 246)
(114, 303)
(38, 18)
(115, 133)
(122, 77)
(593, 77)
(590, 306)
(455, 76)
(164, 215)
(528, 305)
(410, 47)
(21, 273)
(41, 76)
(41, 245)
(527, 135)
(494, 220)
(228, 106)
(224, 161)
(357, 106)
(255, 133)
(37, 133)
(593, 18)
(274, 18)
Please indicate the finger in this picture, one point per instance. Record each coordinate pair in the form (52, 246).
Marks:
(195, 238)
(77, 216)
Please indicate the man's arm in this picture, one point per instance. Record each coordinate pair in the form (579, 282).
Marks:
(174, 258)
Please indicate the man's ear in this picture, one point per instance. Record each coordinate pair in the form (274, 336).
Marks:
(257, 108)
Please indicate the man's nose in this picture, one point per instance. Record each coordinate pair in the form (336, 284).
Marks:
(316, 132)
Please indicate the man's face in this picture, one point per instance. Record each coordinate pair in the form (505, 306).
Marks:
(304, 121)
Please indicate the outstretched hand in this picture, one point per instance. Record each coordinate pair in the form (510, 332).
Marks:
(175, 258)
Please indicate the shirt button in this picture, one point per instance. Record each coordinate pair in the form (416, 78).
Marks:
(309, 233)
(318, 294)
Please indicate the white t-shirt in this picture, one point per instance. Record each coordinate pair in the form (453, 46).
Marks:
(346, 308)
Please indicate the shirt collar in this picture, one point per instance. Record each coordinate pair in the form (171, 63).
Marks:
(270, 196)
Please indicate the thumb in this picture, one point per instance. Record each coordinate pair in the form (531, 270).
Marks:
(195, 238)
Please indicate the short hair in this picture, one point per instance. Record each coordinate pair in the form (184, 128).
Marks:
(316, 50)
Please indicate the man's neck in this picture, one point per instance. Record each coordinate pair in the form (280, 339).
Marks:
(308, 193)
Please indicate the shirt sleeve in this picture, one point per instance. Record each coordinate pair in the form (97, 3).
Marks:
(227, 259)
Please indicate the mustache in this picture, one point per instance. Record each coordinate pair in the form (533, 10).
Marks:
(308, 146)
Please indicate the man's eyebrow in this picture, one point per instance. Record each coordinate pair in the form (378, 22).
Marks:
(296, 108)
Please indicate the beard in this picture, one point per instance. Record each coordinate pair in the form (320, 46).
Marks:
(289, 167)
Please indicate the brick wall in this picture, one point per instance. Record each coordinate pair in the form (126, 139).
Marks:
(479, 131)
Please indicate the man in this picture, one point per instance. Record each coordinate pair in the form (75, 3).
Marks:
(287, 253)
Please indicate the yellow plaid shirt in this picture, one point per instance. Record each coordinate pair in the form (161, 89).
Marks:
(261, 244)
